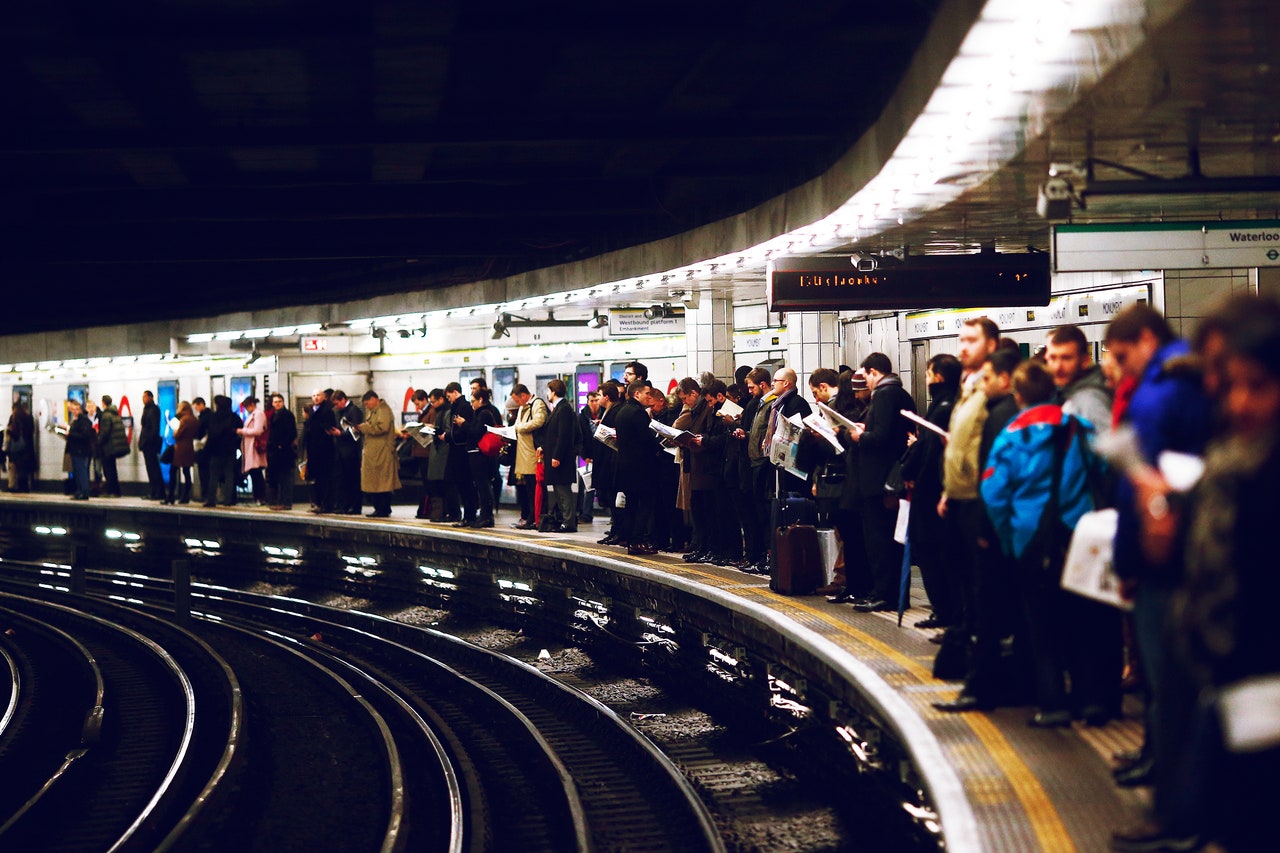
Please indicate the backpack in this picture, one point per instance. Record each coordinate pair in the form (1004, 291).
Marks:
(1047, 551)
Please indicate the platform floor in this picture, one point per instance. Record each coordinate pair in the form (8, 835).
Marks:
(1030, 789)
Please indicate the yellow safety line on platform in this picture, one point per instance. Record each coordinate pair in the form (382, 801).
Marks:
(1045, 821)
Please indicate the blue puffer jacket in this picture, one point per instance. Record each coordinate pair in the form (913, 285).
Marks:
(1168, 411)
(1019, 474)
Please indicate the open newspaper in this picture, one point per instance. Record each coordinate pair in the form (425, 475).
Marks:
(421, 433)
(507, 432)
(835, 419)
(819, 424)
(682, 437)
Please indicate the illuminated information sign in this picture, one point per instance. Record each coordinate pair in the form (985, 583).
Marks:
(933, 281)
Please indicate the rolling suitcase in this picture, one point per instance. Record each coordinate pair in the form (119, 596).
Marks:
(797, 560)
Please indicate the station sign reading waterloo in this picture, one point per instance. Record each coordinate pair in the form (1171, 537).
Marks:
(834, 283)
(1166, 246)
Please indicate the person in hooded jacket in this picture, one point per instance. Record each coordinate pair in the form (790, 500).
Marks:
(113, 442)
(1071, 636)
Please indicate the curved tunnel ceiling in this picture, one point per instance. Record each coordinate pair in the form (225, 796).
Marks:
(183, 158)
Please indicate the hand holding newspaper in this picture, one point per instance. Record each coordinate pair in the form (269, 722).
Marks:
(912, 416)
(730, 409)
(838, 420)
(421, 433)
(819, 425)
(682, 437)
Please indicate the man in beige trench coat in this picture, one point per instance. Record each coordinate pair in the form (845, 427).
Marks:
(379, 467)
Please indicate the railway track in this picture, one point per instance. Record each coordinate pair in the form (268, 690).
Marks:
(359, 733)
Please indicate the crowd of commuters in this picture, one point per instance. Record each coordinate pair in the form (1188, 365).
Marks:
(1011, 453)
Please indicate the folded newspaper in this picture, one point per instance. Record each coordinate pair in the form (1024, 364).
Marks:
(730, 409)
(608, 436)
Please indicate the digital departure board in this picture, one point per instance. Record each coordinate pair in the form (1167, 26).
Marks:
(988, 280)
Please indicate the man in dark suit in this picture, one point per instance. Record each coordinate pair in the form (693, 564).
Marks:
(634, 473)
(880, 444)
(348, 499)
(560, 456)
(319, 432)
(461, 442)
(150, 444)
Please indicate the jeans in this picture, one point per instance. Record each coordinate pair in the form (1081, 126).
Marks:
(80, 473)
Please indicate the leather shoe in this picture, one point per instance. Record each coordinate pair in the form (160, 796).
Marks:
(524, 525)
(871, 605)
(566, 529)
(464, 524)
(841, 597)
(964, 702)
(1095, 716)
(1134, 775)
(1050, 720)
(1150, 836)
(932, 621)
(607, 540)
(377, 514)
(641, 550)
(695, 557)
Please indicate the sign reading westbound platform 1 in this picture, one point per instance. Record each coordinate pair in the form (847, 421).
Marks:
(834, 283)
(1166, 246)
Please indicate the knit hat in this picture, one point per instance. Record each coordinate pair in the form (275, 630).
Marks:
(859, 381)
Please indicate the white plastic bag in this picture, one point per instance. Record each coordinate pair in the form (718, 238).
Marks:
(1089, 570)
(904, 518)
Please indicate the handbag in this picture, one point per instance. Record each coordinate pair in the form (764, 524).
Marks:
(166, 458)
(490, 444)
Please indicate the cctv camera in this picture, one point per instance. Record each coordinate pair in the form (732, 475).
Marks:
(864, 263)
(1053, 200)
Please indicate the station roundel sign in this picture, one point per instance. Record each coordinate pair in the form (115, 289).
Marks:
(126, 414)
(408, 400)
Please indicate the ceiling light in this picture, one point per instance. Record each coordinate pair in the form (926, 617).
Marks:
(597, 321)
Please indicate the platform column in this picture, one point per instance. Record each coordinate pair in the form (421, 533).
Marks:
(709, 336)
(813, 341)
